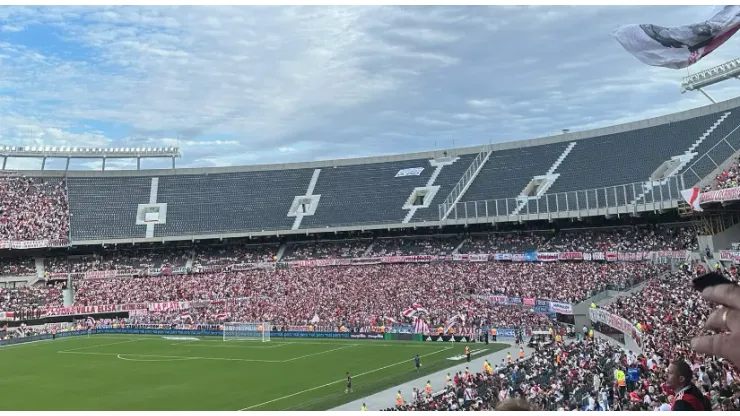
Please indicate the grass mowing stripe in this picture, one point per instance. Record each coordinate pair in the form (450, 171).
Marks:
(319, 353)
(339, 381)
(102, 345)
(115, 354)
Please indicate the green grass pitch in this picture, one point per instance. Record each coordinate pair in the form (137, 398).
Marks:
(138, 372)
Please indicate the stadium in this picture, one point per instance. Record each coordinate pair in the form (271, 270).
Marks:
(556, 270)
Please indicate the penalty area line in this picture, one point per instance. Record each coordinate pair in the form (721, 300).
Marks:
(339, 381)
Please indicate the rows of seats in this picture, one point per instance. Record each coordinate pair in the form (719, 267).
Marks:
(365, 194)
(506, 174)
(448, 177)
(102, 208)
(242, 201)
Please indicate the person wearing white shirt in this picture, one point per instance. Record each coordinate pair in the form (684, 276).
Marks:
(591, 402)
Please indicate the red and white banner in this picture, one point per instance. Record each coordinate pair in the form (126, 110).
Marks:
(547, 256)
(168, 306)
(616, 322)
(696, 199)
(561, 307)
(498, 299)
(7, 316)
(28, 244)
(470, 257)
(529, 301)
(669, 254)
(570, 255)
(730, 255)
(93, 309)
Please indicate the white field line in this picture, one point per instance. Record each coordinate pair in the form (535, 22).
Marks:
(114, 354)
(339, 381)
(31, 343)
(344, 347)
(238, 346)
(103, 345)
(155, 360)
(54, 341)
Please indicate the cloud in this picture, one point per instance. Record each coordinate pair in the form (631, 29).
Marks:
(240, 85)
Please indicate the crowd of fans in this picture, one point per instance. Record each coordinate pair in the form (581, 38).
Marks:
(33, 208)
(327, 250)
(214, 255)
(728, 178)
(583, 375)
(297, 295)
(119, 260)
(643, 238)
(434, 246)
(17, 267)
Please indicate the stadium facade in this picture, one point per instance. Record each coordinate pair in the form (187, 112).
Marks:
(628, 169)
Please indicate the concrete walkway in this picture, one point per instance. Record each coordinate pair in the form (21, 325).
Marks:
(387, 398)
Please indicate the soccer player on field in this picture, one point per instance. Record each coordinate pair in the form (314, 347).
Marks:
(417, 362)
(467, 352)
(349, 383)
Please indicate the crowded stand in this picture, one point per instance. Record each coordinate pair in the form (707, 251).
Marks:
(33, 209)
(503, 243)
(17, 267)
(728, 178)
(433, 246)
(592, 374)
(119, 260)
(33, 298)
(326, 250)
(295, 296)
(215, 255)
(643, 238)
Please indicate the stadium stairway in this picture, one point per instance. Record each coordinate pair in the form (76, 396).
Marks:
(687, 157)
(551, 178)
(467, 179)
(40, 271)
(369, 250)
(386, 399)
(459, 246)
(281, 251)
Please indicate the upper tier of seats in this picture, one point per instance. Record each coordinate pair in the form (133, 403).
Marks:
(217, 201)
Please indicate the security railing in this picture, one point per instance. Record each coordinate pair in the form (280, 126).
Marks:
(629, 198)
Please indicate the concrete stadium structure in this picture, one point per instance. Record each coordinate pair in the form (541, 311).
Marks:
(620, 170)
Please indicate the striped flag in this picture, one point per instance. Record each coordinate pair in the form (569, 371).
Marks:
(221, 316)
(459, 318)
(90, 321)
(185, 315)
(420, 326)
(415, 310)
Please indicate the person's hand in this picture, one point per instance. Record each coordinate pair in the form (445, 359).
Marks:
(726, 320)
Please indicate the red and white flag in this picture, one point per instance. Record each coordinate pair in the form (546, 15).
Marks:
(415, 310)
(679, 46)
(691, 196)
(459, 318)
(420, 326)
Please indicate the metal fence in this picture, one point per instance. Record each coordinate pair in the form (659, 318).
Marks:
(630, 198)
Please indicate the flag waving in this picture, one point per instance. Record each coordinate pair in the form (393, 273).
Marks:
(681, 46)
(415, 310)
(459, 318)
(420, 326)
